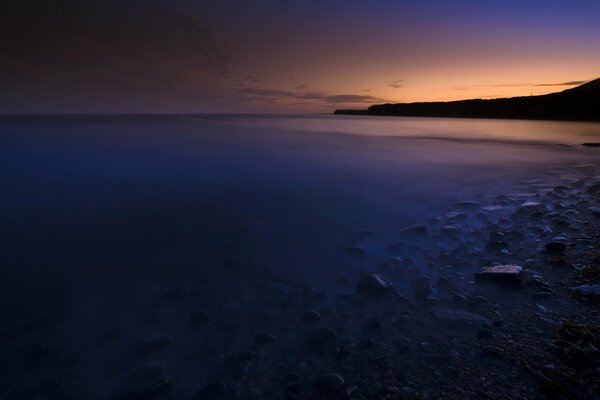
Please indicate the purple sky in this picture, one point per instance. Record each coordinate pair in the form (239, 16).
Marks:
(186, 56)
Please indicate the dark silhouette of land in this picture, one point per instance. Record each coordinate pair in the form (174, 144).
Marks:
(581, 103)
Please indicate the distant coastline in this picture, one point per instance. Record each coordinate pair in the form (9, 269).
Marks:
(581, 103)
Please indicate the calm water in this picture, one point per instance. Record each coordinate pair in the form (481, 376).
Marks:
(162, 195)
(101, 216)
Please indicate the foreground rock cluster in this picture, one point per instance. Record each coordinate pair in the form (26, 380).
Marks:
(492, 299)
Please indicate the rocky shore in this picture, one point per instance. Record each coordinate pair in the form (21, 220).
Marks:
(494, 299)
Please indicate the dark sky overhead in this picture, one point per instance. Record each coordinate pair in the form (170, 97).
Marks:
(205, 56)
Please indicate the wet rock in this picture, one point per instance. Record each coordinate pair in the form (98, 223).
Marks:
(556, 247)
(151, 370)
(263, 339)
(496, 246)
(418, 230)
(402, 344)
(502, 274)
(291, 377)
(311, 316)
(485, 334)
(198, 319)
(451, 315)
(212, 391)
(366, 344)
(372, 324)
(452, 230)
(456, 214)
(319, 340)
(594, 189)
(237, 364)
(356, 251)
(329, 383)
(590, 291)
(158, 391)
(152, 343)
(374, 284)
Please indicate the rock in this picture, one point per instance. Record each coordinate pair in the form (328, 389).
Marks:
(594, 189)
(153, 342)
(212, 391)
(329, 383)
(198, 319)
(450, 315)
(556, 247)
(356, 251)
(419, 230)
(402, 344)
(595, 211)
(456, 214)
(319, 340)
(238, 364)
(263, 339)
(311, 316)
(291, 377)
(366, 344)
(591, 291)
(496, 246)
(452, 229)
(372, 324)
(500, 274)
(151, 370)
(485, 334)
(158, 391)
(374, 284)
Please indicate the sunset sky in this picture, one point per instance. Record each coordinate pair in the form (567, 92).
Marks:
(222, 56)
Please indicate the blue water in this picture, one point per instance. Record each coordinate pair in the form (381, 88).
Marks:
(98, 214)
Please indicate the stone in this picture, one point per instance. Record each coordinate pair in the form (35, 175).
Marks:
(419, 230)
(319, 340)
(212, 391)
(500, 274)
(452, 229)
(311, 316)
(198, 319)
(450, 315)
(153, 342)
(372, 324)
(329, 383)
(374, 284)
(158, 391)
(238, 364)
(356, 251)
(496, 246)
(151, 370)
(263, 339)
(456, 214)
(556, 247)
(591, 291)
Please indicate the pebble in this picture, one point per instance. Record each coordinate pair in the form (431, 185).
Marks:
(263, 339)
(212, 391)
(329, 383)
(374, 284)
(319, 340)
(311, 316)
(556, 247)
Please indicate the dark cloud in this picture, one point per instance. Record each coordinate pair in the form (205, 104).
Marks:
(398, 83)
(118, 41)
(315, 97)
(510, 85)
(300, 87)
(572, 83)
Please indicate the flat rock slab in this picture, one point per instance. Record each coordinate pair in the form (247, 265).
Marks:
(500, 274)
(591, 291)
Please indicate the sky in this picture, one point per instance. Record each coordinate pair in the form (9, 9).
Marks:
(266, 56)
